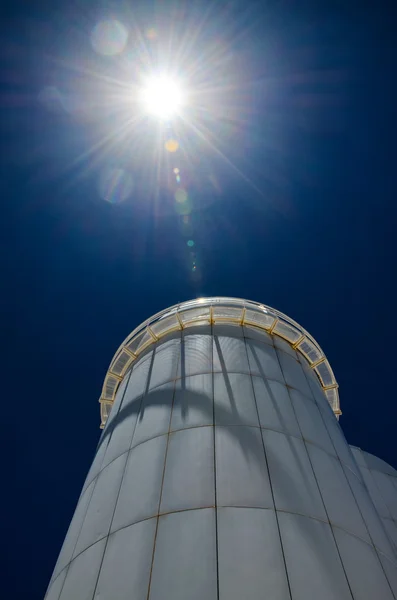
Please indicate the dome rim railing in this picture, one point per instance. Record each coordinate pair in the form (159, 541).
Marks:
(125, 355)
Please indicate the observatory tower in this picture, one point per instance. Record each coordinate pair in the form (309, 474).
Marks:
(222, 472)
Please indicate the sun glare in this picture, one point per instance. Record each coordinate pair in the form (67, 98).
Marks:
(162, 97)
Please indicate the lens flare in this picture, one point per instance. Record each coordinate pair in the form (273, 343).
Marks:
(151, 33)
(109, 37)
(115, 185)
(171, 145)
(181, 195)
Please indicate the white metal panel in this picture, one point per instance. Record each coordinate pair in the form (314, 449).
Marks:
(234, 400)
(254, 333)
(193, 402)
(370, 515)
(55, 587)
(250, 559)
(121, 430)
(74, 530)
(196, 352)
(374, 492)
(294, 485)
(293, 373)
(275, 406)
(229, 354)
(363, 568)
(165, 362)
(138, 379)
(359, 457)
(341, 446)
(155, 414)
(120, 438)
(390, 569)
(127, 562)
(241, 473)
(387, 490)
(118, 399)
(310, 373)
(319, 396)
(284, 346)
(340, 503)
(102, 504)
(377, 464)
(263, 361)
(184, 564)
(82, 574)
(97, 462)
(141, 486)
(314, 568)
(310, 421)
(228, 329)
(189, 480)
(391, 528)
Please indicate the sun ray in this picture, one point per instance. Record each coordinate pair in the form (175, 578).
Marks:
(105, 144)
(219, 152)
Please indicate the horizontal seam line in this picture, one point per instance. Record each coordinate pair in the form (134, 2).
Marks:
(287, 434)
(250, 373)
(212, 507)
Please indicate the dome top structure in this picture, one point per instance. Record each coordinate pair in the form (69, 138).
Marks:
(233, 311)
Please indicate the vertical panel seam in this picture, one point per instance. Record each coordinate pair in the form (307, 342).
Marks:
(78, 535)
(355, 499)
(127, 379)
(115, 416)
(93, 489)
(268, 474)
(215, 488)
(121, 483)
(143, 396)
(162, 481)
(110, 526)
(315, 478)
(379, 490)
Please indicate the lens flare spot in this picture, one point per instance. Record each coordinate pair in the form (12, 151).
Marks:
(171, 145)
(176, 171)
(184, 208)
(178, 179)
(115, 185)
(185, 226)
(151, 33)
(109, 37)
(181, 196)
(190, 243)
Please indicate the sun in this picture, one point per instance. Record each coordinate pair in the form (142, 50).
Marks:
(162, 97)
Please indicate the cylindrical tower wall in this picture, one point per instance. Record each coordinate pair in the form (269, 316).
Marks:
(222, 472)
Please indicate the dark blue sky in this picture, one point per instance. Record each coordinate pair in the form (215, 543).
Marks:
(305, 109)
